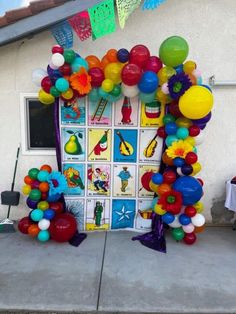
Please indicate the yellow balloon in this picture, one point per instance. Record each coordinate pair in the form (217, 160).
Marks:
(45, 98)
(26, 189)
(43, 205)
(196, 102)
(190, 140)
(165, 73)
(113, 72)
(189, 66)
(158, 210)
(107, 85)
(163, 98)
(199, 207)
(68, 94)
(183, 122)
(153, 186)
(196, 168)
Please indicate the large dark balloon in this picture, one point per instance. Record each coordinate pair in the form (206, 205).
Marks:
(190, 188)
(24, 224)
(63, 227)
(139, 55)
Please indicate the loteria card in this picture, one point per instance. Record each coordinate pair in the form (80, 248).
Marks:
(75, 206)
(73, 112)
(123, 213)
(152, 114)
(98, 214)
(73, 144)
(145, 174)
(100, 112)
(98, 178)
(126, 111)
(143, 219)
(125, 145)
(99, 145)
(124, 180)
(75, 177)
(150, 146)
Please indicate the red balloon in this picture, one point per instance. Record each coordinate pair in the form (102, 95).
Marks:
(145, 180)
(194, 130)
(57, 49)
(44, 196)
(201, 181)
(24, 224)
(169, 177)
(65, 69)
(63, 227)
(161, 132)
(57, 207)
(139, 55)
(131, 74)
(46, 84)
(191, 158)
(97, 76)
(190, 211)
(154, 64)
(174, 109)
(190, 238)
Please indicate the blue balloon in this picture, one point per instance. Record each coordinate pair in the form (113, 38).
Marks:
(171, 128)
(78, 63)
(171, 139)
(184, 219)
(157, 178)
(182, 133)
(178, 162)
(53, 74)
(43, 235)
(42, 175)
(190, 188)
(199, 80)
(179, 68)
(186, 169)
(206, 87)
(148, 83)
(62, 84)
(168, 218)
(123, 55)
(49, 214)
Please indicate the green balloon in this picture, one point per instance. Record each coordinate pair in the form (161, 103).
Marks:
(33, 173)
(116, 91)
(54, 91)
(173, 51)
(168, 118)
(69, 55)
(35, 195)
(178, 234)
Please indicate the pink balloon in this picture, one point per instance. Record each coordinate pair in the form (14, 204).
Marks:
(188, 228)
(139, 55)
(154, 64)
(131, 74)
(97, 76)
(165, 88)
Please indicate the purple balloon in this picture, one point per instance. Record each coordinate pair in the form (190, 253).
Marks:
(123, 55)
(31, 204)
(35, 184)
(53, 74)
(203, 120)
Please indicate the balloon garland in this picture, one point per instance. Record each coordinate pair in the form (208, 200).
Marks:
(177, 85)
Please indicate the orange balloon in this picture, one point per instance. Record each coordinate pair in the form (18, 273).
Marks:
(104, 62)
(167, 160)
(43, 187)
(199, 229)
(46, 168)
(33, 230)
(28, 180)
(93, 62)
(162, 188)
(192, 79)
(112, 55)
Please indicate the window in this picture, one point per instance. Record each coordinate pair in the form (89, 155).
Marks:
(37, 127)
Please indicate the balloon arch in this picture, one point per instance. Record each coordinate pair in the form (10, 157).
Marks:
(176, 84)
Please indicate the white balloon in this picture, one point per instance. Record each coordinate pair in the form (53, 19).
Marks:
(129, 91)
(198, 220)
(200, 138)
(188, 228)
(44, 224)
(175, 223)
(38, 75)
(52, 66)
(57, 59)
(180, 173)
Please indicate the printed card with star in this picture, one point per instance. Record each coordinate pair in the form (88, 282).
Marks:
(123, 213)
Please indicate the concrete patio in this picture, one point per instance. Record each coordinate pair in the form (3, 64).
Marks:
(109, 273)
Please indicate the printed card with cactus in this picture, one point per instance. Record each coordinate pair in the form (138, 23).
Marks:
(73, 144)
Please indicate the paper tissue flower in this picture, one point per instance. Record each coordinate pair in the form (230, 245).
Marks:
(81, 81)
(179, 149)
(171, 201)
(178, 84)
(57, 184)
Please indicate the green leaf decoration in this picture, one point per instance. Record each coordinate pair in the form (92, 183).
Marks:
(80, 135)
(70, 132)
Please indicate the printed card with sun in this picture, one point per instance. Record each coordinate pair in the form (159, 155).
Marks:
(75, 177)
(124, 180)
(152, 114)
(150, 149)
(98, 214)
(126, 111)
(100, 112)
(73, 144)
(98, 178)
(125, 145)
(73, 112)
(99, 145)
(145, 174)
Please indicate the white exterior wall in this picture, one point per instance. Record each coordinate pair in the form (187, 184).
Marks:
(209, 26)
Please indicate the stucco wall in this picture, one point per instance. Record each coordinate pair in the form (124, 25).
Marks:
(209, 27)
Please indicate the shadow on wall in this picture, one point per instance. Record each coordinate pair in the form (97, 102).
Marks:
(220, 214)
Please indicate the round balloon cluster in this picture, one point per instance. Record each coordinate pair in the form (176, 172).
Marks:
(47, 218)
(188, 110)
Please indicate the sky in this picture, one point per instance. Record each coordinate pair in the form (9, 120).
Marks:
(7, 5)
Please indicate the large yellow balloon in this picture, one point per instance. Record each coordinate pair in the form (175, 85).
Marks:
(113, 72)
(196, 102)
(46, 98)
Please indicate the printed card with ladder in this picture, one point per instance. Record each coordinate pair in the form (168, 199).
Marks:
(100, 112)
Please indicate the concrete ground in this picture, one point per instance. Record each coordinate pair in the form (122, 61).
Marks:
(109, 273)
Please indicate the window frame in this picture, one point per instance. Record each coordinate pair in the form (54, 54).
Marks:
(26, 150)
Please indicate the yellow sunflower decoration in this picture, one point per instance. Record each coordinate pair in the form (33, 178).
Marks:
(179, 149)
